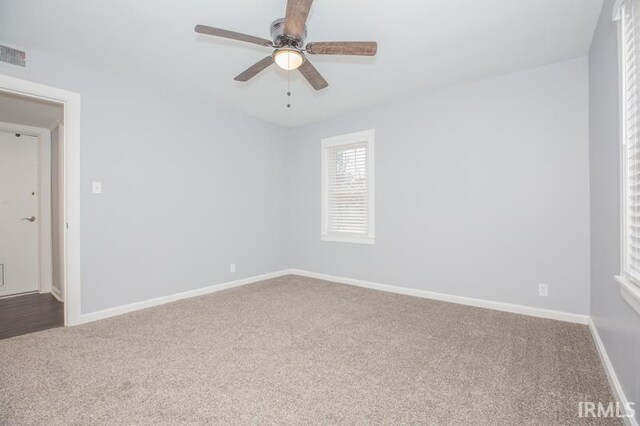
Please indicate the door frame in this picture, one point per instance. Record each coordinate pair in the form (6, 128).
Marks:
(71, 188)
(43, 211)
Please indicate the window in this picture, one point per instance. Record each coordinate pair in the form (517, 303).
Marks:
(628, 15)
(347, 188)
(630, 73)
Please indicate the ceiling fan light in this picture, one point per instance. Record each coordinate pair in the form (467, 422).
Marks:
(288, 59)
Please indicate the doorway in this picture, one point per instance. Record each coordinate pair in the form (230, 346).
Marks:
(29, 247)
(54, 128)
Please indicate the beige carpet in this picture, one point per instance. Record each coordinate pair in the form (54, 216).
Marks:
(297, 351)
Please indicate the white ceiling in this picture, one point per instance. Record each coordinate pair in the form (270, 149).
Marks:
(422, 44)
(29, 112)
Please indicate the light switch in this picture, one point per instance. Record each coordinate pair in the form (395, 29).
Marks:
(96, 187)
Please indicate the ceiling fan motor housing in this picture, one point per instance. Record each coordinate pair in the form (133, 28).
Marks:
(280, 39)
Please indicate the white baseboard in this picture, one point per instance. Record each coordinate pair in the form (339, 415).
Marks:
(616, 387)
(56, 293)
(480, 303)
(119, 310)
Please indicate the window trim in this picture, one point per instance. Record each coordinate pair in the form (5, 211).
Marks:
(617, 8)
(367, 136)
(629, 287)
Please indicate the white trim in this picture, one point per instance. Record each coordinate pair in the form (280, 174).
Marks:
(367, 136)
(481, 303)
(629, 292)
(9, 296)
(56, 293)
(621, 145)
(622, 130)
(462, 300)
(58, 255)
(71, 240)
(617, 8)
(55, 126)
(341, 239)
(45, 249)
(43, 212)
(123, 309)
(612, 377)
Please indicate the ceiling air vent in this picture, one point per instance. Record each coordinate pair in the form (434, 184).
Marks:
(11, 56)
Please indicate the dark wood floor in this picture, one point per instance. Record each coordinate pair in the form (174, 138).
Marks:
(28, 313)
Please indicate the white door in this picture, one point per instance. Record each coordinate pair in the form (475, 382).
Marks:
(18, 211)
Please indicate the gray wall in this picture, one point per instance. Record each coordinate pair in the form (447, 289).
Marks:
(187, 189)
(618, 325)
(482, 190)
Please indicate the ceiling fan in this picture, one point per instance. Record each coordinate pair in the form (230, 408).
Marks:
(288, 36)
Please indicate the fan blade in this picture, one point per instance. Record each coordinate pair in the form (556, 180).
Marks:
(296, 17)
(359, 48)
(254, 69)
(203, 29)
(312, 75)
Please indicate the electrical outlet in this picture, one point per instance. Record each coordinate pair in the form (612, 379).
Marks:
(232, 268)
(543, 290)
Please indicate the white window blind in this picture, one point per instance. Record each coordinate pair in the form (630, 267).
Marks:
(348, 188)
(630, 34)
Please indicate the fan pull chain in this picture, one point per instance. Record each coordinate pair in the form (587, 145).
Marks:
(288, 89)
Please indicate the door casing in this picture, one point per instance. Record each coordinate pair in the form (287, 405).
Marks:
(71, 191)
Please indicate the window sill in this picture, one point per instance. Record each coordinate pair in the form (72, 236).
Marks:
(356, 240)
(630, 292)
